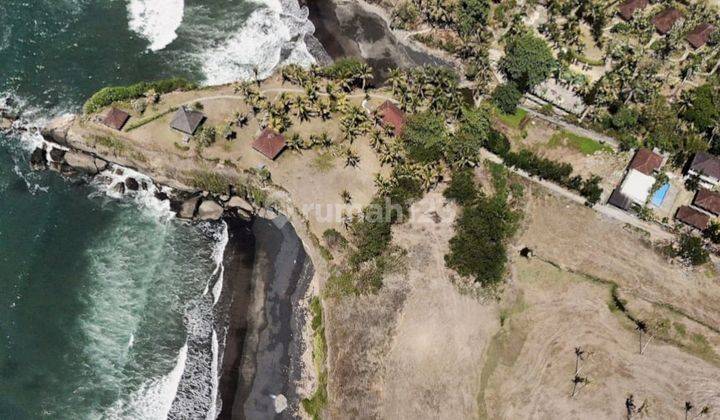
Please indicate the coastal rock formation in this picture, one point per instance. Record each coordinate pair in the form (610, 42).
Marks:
(57, 155)
(85, 163)
(56, 131)
(38, 159)
(240, 203)
(119, 188)
(188, 208)
(210, 210)
(132, 184)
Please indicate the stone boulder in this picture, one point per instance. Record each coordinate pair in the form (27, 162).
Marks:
(82, 162)
(38, 159)
(188, 208)
(239, 203)
(56, 130)
(161, 196)
(132, 184)
(210, 210)
(5, 124)
(57, 155)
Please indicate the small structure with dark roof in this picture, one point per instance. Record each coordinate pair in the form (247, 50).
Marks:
(700, 35)
(707, 167)
(619, 200)
(116, 119)
(665, 20)
(628, 8)
(646, 161)
(187, 121)
(392, 116)
(270, 143)
(693, 217)
(708, 200)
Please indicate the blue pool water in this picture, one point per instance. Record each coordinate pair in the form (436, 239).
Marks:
(659, 196)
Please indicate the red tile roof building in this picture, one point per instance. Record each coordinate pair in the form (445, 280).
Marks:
(692, 217)
(116, 119)
(700, 35)
(393, 116)
(270, 143)
(665, 20)
(646, 161)
(708, 200)
(628, 8)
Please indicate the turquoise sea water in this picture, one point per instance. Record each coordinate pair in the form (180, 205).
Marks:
(105, 303)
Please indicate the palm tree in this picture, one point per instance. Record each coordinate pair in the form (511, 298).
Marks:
(579, 355)
(351, 158)
(311, 91)
(641, 328)
(324, 110)
(630, 406)
(376, 139)
(346, 197)
(688, 408)
(303, 109)
(578, 380)
(365, 73)
(295, 142)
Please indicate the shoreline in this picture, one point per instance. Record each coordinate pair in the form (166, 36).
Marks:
(359, 29)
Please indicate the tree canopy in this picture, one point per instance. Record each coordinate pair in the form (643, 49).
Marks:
(528, 60)
(424, 137)
(472, 133)
(703, 108)
(472, 16)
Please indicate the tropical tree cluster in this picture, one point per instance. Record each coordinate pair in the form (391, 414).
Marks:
(427, 88)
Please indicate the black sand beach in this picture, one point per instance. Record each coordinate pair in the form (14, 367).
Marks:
(346, 29)
(263, 348)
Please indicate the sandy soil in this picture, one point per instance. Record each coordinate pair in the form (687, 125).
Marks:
(535, 361)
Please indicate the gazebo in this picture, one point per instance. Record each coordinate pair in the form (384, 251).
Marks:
(187, 121)
(270, 143)
(116, 119)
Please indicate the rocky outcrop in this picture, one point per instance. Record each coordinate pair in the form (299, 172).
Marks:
(38, 159)
(57, 154)
(188, 208)
(240, 203)
(56, 131)
(210, 210)
(119, 188)
(132, 184)
(85, 163)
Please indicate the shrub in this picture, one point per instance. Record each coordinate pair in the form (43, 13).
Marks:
(106, 96)
(206, 136)
(692, 250)
(462, 188)
(625, 118)
(506, 97)
(472, 15)
(405, 15)
(498, 143)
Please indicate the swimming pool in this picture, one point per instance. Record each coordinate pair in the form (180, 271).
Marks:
(659, 196)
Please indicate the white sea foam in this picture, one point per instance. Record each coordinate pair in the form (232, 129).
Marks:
(212, 412)
(277, 28)
(153, 399)
(144, 198)
(156, 20)
(218, 256)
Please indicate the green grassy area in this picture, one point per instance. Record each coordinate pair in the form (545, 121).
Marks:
(513, 120)
(589, 61)
(582, 144)
(143, 121)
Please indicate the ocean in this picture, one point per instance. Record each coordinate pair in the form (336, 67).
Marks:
(106, 303)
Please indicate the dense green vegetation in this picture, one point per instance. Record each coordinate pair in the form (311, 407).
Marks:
(462, 148)
(528, 60)
(482, 230)
(506, 97)
(106, 96)
(424, 137)
(472, 15)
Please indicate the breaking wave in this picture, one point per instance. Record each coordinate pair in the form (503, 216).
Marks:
(273, 35)
(156, 20)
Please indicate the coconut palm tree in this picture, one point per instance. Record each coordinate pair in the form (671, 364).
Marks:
(365, 73)
(303, 109)
(578, 380)
(630, 406)
(641, 328)
(325, 140)
(688, 409)
(311, 91)
(324, 110)
(346, 197)
(579, 355)
(295, 142)
(376, 139)
(351, 158)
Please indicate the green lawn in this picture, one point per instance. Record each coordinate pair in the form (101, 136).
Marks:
(582, 144)
(512, 120)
